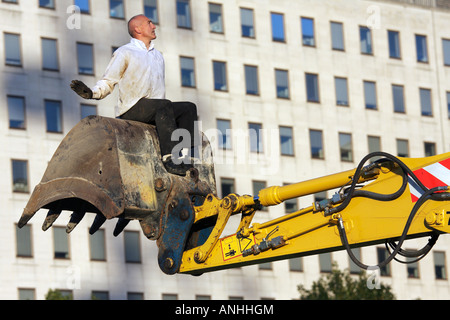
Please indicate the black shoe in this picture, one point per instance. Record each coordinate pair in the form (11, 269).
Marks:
(178, 169)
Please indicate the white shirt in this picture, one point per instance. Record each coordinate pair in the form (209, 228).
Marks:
(138, 71)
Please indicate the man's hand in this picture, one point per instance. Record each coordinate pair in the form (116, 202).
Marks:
(81, 89)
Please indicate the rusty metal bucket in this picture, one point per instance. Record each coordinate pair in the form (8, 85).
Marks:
(112, 168)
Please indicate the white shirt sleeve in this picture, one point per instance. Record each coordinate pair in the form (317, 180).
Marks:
(113, 74)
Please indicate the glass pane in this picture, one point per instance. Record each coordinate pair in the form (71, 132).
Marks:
(215, 18)
(151, 10)
(425, 102)
(366, 40)
(248, 29)
(183, 14)
(370, 95)
(132, 246)
(85, 58)
(12, 50)
(224, 138)
(60, 243)
(255, 133)
(308, 32)
(315, 138)
(446, 49)
(325, 262)
(341, 91)
(227, 186)
(47, 4)
(421, 47)
(116, 9)
(20, 176)
(337, 36)
(83, 5)
(97, 245)
(53, 116)
(286, 141)
(282, 83)
(277, 27)
(345, 144)
(87, 110)
(220, 77)
(16, 111)
(187, 72)
(402, 148)
(23, 238)
(49, 54)
(398, 98)
(251, 80)
(312, 87)
(394, 44)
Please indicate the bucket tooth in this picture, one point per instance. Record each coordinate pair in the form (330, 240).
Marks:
(52, 215)
(75, 219)
(98, 222)
(121, 224)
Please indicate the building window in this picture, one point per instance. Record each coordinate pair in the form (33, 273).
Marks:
(97, 245)
(49, 4)
(265, 266)
(430, 149)
(325, 262)
(169, 296)
(88, 110)
(374, 145)
(132, 246)
(320, 196)
(255, 134)
(308, 38)
(184, 14)
(50, 59)
(394, 44)
(60, 243)
(135, 296)
(370, 95)
(13, 56)
(247, 23)
(425, 102)
(258, 186)
(16, 112)
(446, 51)
(228, 186)
(286, 141)
(85, 54)
(20, 176)
(412, 269)
(382, 255)
(27, 294)
(440, 268)
(421, 48)
(398, 98)
(220, 76)
(296, 264)
(100, 295)
(341, 89)
(224, 134)
(151, 10)
(312, 87)
(116, 9)
(282, 83)
(337, 36)
(23, 242)
(83, 5)
(251, 80)
(316, 141)
(215, 18)
(187, 72)
(277, 20)
(345, 146)
(402, 148)
(53, 116)
(365, 37)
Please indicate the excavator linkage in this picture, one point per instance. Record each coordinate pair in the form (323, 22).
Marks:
(112, 168)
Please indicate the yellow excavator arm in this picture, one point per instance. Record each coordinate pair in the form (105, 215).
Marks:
(112, 168)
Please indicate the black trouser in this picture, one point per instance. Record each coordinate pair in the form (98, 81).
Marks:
(167, 116)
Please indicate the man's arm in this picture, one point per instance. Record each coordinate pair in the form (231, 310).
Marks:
(105, 86)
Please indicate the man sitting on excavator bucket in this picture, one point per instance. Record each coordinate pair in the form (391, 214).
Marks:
(138, 69)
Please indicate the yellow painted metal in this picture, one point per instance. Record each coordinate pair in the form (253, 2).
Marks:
(309, 231)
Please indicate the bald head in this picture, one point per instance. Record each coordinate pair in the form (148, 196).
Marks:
(134, 23)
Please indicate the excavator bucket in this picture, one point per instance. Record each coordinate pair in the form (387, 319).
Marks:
(112, 168)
